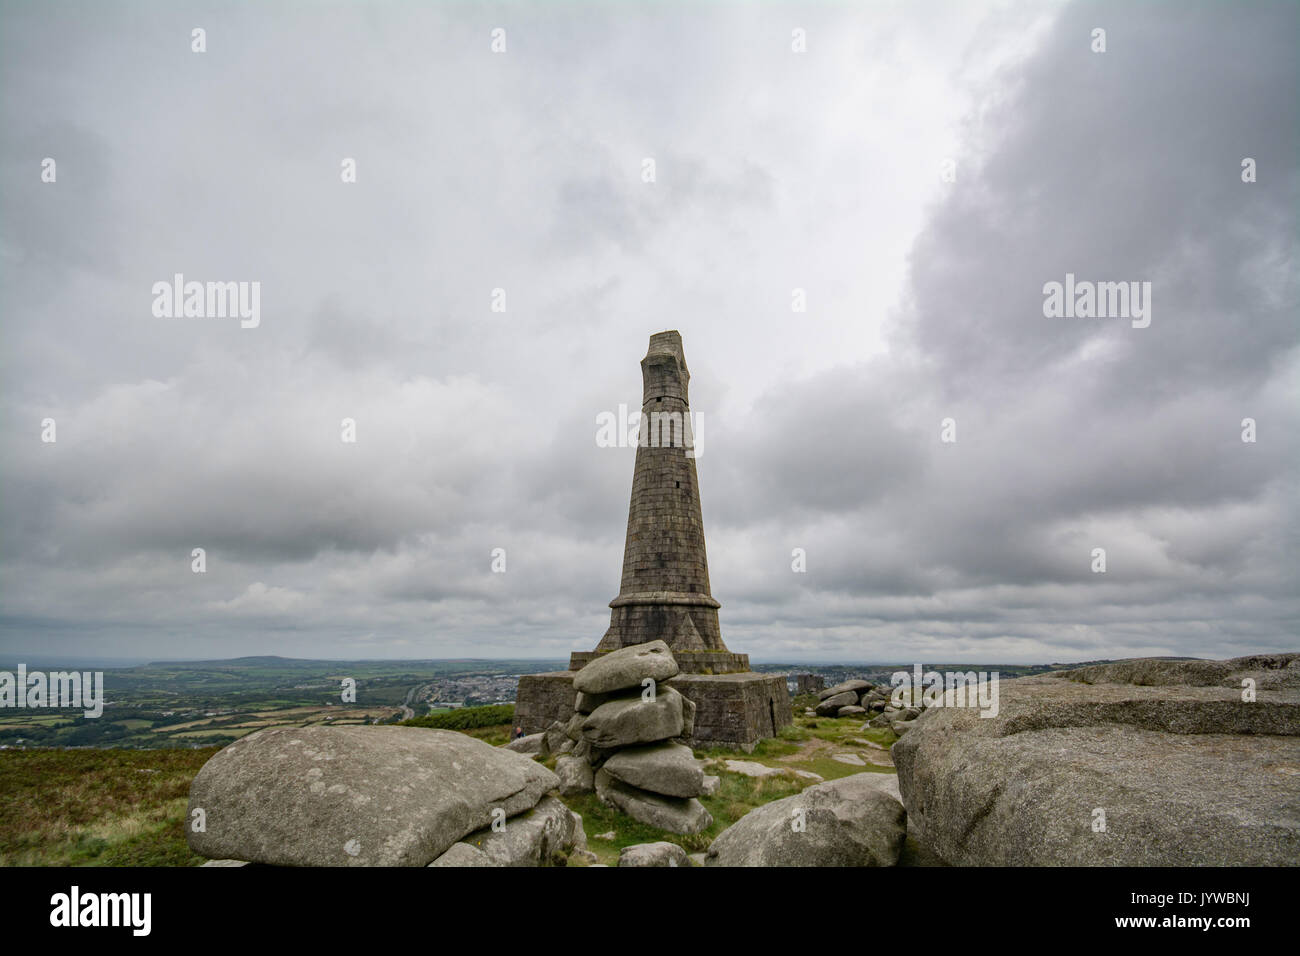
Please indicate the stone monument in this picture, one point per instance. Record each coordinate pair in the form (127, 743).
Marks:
(664, 593)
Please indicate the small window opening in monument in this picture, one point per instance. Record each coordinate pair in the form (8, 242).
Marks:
(679, 484)
(659, 399)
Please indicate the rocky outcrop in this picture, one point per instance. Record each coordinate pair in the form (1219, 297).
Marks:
(355, 796)
(1132, 763)
(667, 768)
(532, 744)
(635, 720)
(625, 668)
(631, 738)
(462, 854)
(851, 821)
(653, 854)
(674, 814)
(831, 705)
(543, 836)
(856, 698)
(575, 774)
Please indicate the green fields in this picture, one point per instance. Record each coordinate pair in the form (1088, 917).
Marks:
(206, 703)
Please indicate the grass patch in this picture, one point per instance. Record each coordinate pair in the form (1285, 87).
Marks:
(736, 796)
(497, 736)
(465, 718)
(96, 807)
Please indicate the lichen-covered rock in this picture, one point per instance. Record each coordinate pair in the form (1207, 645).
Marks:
(355, 796)
(555, 737)
(851, 821)
(543, 836)
(575, 775)
(854, 687)
(667, 768)
(831, 705)
(653, 854)
(626, 668)
(631, 721)
(531, 744)
(674, 814)
(462, 854)
(1132, 763)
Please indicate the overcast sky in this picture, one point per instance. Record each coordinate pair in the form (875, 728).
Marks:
(775, 170)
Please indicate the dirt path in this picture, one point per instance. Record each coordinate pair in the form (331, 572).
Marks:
(812, 749)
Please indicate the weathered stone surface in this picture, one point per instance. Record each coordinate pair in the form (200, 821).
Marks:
(225, 863)
(653, 854)
(688, 718)
(847, 822)
(735, 710)
(575, 775)
(626, 668)
(542, 699)
(355, 796)
(901, 727)
(542, 836)
(1269, 671)
(850, 711)
(751, 768)
(632, 721)
(667, 813)
(664, 591)
(556, 736)
(887, 782)
(711, 786)
(1187, 774)
(854, 687)
(666, 768)
(530, 744)
(462, 854)
(831, 705)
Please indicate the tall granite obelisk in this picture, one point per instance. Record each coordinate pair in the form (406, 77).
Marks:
(664, 594)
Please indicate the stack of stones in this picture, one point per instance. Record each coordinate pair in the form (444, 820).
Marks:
(627, 739)
(860, 698)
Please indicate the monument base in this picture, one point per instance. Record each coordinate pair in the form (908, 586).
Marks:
(731, 710)
(690, 662)
(542, 699)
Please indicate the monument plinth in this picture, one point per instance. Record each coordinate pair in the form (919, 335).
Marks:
(664, 593)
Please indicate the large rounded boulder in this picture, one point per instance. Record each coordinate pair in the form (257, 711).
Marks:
(851, 821)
